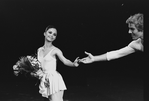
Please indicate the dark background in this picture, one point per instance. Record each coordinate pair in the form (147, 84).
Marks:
(95, 26)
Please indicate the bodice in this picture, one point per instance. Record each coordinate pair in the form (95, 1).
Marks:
(48, 62)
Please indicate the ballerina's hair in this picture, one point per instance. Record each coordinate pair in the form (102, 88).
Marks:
(137, 20)
(48, 27)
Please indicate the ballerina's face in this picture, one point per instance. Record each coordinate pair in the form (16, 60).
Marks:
(50, 34)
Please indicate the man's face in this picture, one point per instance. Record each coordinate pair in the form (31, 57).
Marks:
(134, 31)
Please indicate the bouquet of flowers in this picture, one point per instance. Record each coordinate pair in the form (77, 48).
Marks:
(28, 64)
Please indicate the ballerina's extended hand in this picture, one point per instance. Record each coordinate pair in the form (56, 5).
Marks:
(76, 62)
(88, 59)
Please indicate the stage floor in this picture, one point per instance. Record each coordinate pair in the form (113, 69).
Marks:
(101, 89)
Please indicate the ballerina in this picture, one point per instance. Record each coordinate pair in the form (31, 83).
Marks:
(52, 85)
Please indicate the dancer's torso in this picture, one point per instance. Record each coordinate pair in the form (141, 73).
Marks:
(48, 61)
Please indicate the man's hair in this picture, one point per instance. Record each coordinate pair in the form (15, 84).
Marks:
(137, 20)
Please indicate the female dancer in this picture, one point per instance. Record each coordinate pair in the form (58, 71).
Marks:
(52, 85)
(135, 24)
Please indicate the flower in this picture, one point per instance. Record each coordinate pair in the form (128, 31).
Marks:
(28, 64)
(16, 73)
(15, 67)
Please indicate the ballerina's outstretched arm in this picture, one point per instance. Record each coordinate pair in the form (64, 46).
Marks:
(66, 61)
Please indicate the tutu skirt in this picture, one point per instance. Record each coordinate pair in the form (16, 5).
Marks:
(51, 82)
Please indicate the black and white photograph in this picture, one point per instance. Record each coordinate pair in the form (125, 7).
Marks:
(72, 50)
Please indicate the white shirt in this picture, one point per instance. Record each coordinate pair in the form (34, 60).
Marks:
(134, 45)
